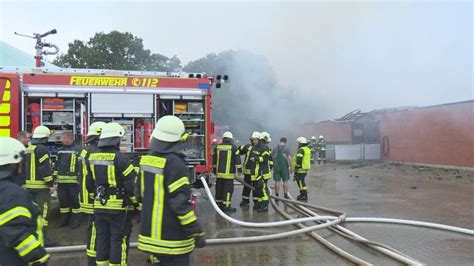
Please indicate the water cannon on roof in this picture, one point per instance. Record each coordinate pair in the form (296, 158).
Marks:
(40, 45)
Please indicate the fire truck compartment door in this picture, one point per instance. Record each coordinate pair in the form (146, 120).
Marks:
(122, 103)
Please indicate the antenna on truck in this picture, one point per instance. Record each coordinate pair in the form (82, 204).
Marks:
(40, 45)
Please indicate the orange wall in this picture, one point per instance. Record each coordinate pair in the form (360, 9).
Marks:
(441, 135)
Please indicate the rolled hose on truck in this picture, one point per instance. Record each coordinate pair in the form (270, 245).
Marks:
(334, 220)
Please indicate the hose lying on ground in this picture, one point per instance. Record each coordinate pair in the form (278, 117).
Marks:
(344, 254)
(267, 224)
(295, 232)
(236, 240)
(410, 222)
(382, 248)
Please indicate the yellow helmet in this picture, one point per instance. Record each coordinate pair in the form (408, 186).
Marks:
(10, 151)
(112, 130)
(228, 135)
(95, 128)
(41, 132)
(169, 129)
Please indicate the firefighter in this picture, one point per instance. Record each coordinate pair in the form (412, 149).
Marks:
(24, 138)
(67, 170)
(39, 179)
(226, 163)
(321, 149)
(267, 167)
(169, 227)
(112, 178)
(249, 167)
(281, 172)
(302, 167)
(86, 197)
(313, 145)
(21, 238)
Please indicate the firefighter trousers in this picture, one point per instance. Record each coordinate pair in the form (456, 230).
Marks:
(42, 198)
(68, 196)
(321, 156)
(91, 241)
(246, 191)
(170, 260)
(265, 192)
(300, 181)
(113, 238)
(224, 190)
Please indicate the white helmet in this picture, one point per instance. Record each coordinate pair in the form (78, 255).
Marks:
(169, 129)
(255, 135)
(95, 128)
(265, 136)
(313, 137)
(228, 135)
(41, 132)
(302, 140)
(321, 137)
(10, 151)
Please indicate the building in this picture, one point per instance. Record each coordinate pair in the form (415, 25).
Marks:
(435, 135)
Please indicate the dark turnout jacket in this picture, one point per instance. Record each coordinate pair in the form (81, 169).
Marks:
(168, 222)
(21, 237)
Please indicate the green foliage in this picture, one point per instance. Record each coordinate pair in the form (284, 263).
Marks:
(115, 50)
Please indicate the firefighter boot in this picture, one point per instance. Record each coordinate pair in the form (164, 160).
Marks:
(263, 207)
(228, 209)
(63, 219)
(304, 195)
(244, 202)
(256, 206)
(48, 242)
(75, 220)
(300, 196)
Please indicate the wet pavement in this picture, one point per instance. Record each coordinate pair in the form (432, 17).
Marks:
(377, 190)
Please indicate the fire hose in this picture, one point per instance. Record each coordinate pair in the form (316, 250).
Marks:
(333, 221)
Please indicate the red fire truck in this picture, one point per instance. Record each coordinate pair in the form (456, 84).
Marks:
(71, 99)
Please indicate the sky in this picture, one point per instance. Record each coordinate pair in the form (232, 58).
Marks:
(345, 54)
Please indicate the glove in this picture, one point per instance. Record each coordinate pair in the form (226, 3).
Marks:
(200, 242)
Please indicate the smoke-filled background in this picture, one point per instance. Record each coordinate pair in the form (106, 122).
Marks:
(289, 62)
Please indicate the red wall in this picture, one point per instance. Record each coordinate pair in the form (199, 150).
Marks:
(334, 132)
(441, 134)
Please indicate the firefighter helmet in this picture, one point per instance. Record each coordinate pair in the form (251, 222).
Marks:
(41, 132)
(112, 130)
(255, 135)
(302, 140)
(169, 129)
(313, 137)
(95, 128)
(321, 137)
(10, 151)
(265, 136)
(228, 135)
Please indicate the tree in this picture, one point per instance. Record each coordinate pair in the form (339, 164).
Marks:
(114, 50)
(173, 64)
